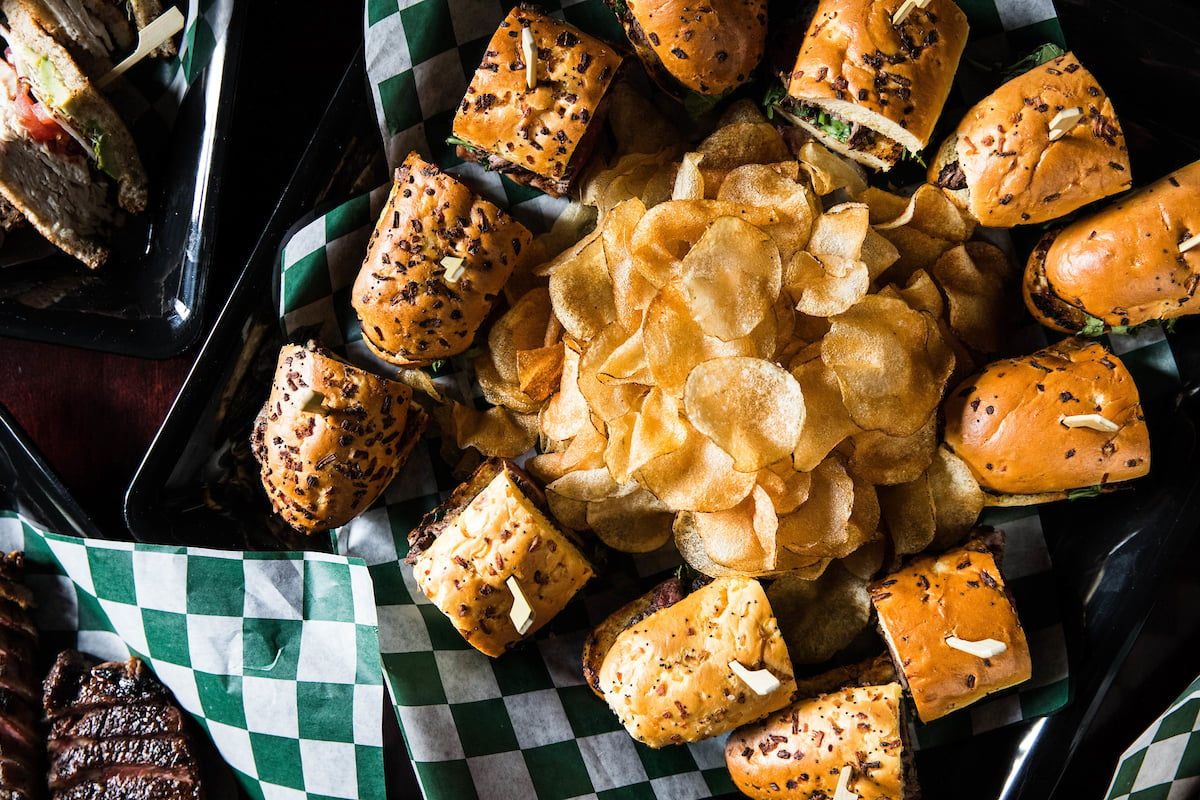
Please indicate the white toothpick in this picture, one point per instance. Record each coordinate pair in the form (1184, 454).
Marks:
(454, 268)
(166, 25)
(1063, 121)
(1094, 421)
(760, 680)
(521, 612)
(906, 8)
(529, 48)
(983, 648)
(1189, 243)
(842, 792)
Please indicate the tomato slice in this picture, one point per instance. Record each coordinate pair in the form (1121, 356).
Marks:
(37, 119)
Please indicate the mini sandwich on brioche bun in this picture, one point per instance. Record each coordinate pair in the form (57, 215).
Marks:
(853, 738)
(680, 668)
(709, 47)
(331, 437)
(1124, 265)
(436, 261)
(1033, 428)
(952, 629)
(886, 81)
(1039, 147)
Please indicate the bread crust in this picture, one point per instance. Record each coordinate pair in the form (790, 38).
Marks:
(895, 78)
(708, 47)
(1017, 175)
(538, 131)
(500, 533)
(799, 752)
(958, 593)
(1122, 265)
(409, 311)
(321, 468)
(667, 677)
(1006, 421)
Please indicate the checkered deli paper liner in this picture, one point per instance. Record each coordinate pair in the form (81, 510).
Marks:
(276, 655)
(1164, 762)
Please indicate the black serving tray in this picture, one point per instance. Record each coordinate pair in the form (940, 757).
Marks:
(1114, 556)
(148, 299)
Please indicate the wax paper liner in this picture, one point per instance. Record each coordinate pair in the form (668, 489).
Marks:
(526, 725)
(1164, 762)
(276, 655)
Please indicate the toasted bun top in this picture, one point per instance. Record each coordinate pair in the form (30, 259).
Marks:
(959, 593)
(800, 751)
(1007, 422)
(411, 311)
(709, 47)
(892, 78)
(536, 129)
(331, 437)
(668, 678)
(1123, 265)
(1017, 175)
(500, 534)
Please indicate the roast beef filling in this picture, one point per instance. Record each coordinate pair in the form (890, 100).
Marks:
(952, 177)
(854, 135)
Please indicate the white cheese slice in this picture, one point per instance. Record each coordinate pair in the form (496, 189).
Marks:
(983, 648)
(760, 680)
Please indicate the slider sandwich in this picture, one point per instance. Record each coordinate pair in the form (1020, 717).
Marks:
(678, 667)
(1132, 262)
(536, 104)
(61, 142)
(98, 32)
(872, 76)
(1033, 429)
(848, 743)
(696, 51)
(493, 561)
(1039, 147)
(436, 262)
(952, 629)
(331, 437)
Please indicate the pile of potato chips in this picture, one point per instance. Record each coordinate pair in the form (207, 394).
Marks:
(748, 353)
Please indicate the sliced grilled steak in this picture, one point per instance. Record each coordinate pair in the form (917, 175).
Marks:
(21, 750)
(115, 732)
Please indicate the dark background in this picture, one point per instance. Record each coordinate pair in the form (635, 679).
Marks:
(93, 415)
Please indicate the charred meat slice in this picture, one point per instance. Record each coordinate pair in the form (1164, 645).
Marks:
(20, 744)
(115, 732)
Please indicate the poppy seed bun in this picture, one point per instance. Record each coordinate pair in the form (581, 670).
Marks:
(540, 136)
(411, 312)
(331, 437)
(1007, 422)
(799, 752)
(501, 533)
(1015, 174)
(667, 677)
(706, 47)
(1122, 265)
(959, 593)
(893, 79)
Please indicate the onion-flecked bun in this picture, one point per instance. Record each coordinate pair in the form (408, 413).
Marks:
(331, 437)
(706, 47)
(1014, 173)
(412, 307)
(1121, 265)
(959, 593)
(893, 79)
(667, 676)
(492, 529)
(1009, 423)
(799, 752)
(540, 136)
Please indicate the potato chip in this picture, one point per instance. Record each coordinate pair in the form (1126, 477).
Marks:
(882, 459)
(764, 186)
(908, 516)
(590, 484)
(631, 291)
(626, 361)
(632, 523)
(741, 110)
(569, 513)
(820, 617)
(840, 231)
(827, 422)
(981, 306)
(921, 293)
(819, 528)
(539, 371)
(697, 476)
(743, 143)
(957, 498)
(991, 259)
(867, 561)
(931, 212)
(885, 206)
(500, 392)
(751, 408)
(824, 286)
(570, 232)
(691, 548)
(878, 254)
(608, 398)
(917, 251)
(732, 276)
(638, 124)
(566, 413)
(891, 364)
(689, 183)
(829, 172)
(667, 232)
(581, 292)
(497, 431)
(585, 451)
(654, 428)
(568, 253)
(522, 327)
(741, 538)
(421, 381)
(786, 486)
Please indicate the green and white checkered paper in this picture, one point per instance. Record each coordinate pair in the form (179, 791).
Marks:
(276, 655)
(526, 725)
(1164, 762)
